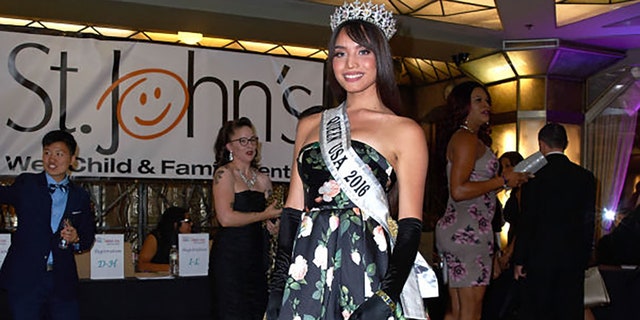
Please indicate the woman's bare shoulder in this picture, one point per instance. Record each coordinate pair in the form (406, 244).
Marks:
(307, 129)
(401, 127)
(222, 173)
(462, 143)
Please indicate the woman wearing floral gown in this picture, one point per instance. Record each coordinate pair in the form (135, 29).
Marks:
(464, 235)
(334, 260)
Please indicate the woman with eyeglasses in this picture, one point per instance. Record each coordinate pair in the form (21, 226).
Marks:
(154, 254)
(239, 256)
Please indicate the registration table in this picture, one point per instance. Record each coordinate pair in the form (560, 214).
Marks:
(141, 298)
(623, 286)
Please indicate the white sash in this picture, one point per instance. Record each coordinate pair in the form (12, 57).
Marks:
(358, 182)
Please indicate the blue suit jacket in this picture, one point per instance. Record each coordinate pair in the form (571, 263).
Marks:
(26, 261)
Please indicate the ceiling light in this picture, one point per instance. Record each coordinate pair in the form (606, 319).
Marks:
(189, 37)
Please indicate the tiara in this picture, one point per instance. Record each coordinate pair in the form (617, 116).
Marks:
(369, 12)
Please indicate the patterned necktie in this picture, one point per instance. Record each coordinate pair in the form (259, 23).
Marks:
(62, 187)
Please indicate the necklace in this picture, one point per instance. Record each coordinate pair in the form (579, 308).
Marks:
(464, 126)
(249, 182)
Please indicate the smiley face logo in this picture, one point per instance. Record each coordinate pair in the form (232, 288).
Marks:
(153, 102)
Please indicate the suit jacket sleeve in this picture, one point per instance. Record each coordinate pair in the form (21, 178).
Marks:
(526, 224)
(82, 217)
(589, 219)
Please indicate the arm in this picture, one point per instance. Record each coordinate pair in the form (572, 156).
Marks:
(411, 168)
(462, 152)
(589, 219)
(289, 223)
(147, 252)
(82, 228)
(6, 194)
(525, 230)
(295, 197)
(223, 197)
(271, 225)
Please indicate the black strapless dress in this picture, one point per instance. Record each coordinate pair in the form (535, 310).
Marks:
(238, 265)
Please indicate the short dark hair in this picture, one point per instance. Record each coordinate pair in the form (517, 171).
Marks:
(60, 136)
(554, 135)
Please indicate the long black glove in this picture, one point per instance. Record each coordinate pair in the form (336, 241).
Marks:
(289, 223)
(382, 304)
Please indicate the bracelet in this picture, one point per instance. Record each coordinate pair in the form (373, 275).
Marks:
(505, 185)
(383, 295)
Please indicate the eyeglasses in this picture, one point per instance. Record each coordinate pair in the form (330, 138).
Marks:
(245, 141)
(185, 221)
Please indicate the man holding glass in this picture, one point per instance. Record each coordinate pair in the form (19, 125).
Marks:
(55, 221)
(555, 234)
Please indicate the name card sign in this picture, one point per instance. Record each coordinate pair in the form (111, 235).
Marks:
(193, 254)
(107, 257)
(5, 242)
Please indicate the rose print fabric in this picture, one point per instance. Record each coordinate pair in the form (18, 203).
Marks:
(340, 254)
(464, 234)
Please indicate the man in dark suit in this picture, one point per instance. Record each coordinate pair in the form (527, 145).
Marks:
(555, 239)
(55, 220)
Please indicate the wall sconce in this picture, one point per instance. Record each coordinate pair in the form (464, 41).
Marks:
(189, 37)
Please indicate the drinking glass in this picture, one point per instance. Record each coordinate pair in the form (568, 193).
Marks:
(63, 243)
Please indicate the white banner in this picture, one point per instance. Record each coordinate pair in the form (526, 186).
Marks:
(146, 110)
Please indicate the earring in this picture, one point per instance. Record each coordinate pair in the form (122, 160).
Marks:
(230, 156)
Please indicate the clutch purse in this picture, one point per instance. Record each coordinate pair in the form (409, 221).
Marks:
(595, 290)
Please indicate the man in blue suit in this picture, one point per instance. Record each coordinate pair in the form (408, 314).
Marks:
(555, 235)
(55, 221)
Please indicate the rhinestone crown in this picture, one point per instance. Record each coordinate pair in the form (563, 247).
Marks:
(367, 11)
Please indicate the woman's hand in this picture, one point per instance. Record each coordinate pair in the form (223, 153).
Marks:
(271, 212)
(273, 225)
(515, 179)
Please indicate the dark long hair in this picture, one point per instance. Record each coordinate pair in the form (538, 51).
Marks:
(514, 158)
(224, 135)
(459, 104)
(457, 109)
(167, 228)
(371, 37)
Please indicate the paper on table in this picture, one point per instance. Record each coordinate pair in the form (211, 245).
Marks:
(153, 275)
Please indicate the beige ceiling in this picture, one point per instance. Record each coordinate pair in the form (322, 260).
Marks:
(430, 32)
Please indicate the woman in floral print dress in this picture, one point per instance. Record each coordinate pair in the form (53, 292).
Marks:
(338, 255)
(464, 235)
(334, 260)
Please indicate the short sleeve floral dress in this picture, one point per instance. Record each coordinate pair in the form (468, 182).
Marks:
(464, 234)
(340, 255)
